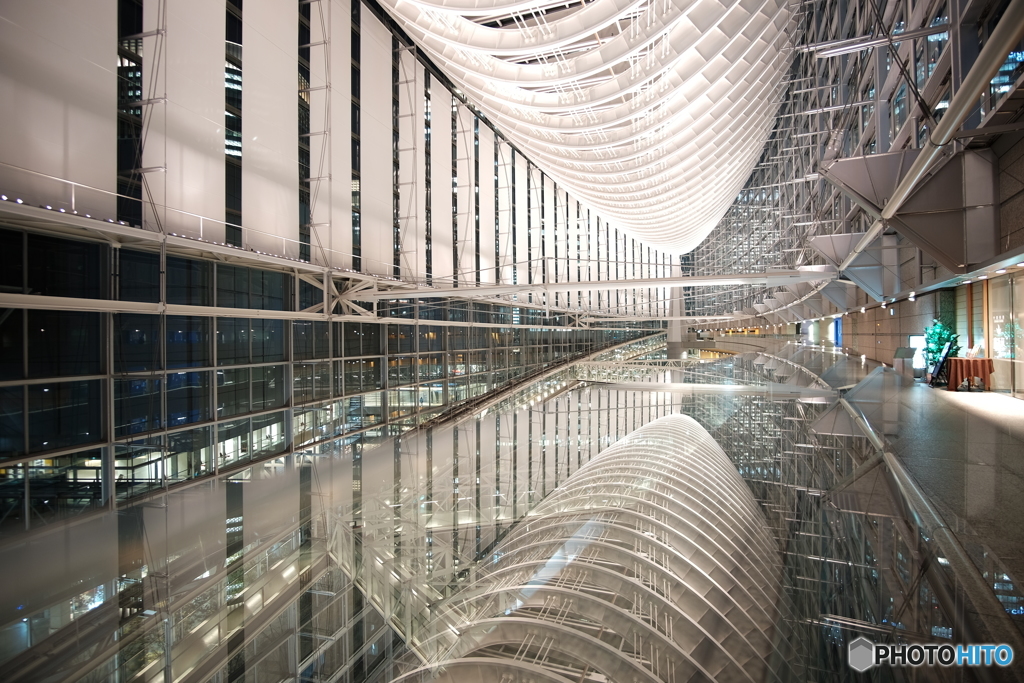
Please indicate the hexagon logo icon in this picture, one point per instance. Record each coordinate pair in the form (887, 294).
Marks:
(861, 654)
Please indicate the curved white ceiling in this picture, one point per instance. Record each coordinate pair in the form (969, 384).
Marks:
(652, 111)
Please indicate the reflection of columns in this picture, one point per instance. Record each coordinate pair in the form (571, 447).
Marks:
(675, 327)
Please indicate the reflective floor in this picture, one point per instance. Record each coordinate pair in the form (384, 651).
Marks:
(328, 565)
(966, 450)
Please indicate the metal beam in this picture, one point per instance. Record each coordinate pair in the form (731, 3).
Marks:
(1004, 38)
(768, 279)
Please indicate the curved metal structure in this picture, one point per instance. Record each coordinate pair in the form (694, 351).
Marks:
(653, 111)
(652, 563)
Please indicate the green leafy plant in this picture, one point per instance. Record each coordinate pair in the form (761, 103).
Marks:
(935, 338)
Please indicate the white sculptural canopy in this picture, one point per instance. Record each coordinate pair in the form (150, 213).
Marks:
(654, 112)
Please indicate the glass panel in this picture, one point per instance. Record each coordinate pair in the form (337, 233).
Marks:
(321, 381)
(302, 339)
(361, 339)
(267, 340)
(431, 338)
(1018, 320)
(188, 397)
(12, 360)
(138, 466)
(138, 276)
(302, 379)
(189, 282)
(321, 339)
(309, 295)
(232, 392)
(232, 286)
(268, 387)
(363, 374)
(189, 454)
(373, 408)
(310, 339)
(458, 338)
(12, 499)
(12, 255)
(401, 339)
(314, 425)
(401, 371)
(136, 405)
(271, 291)
(64, 486)
(232, 442)
(59, 267)
(1003, 330)
(233, 341)
(268, 435)
(63, 414)
(136, 342)
(12, 421)
(63, 343)
(188, 341)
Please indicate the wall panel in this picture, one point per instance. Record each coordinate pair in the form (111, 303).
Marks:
(504, 213)
(466, 230)
(376, 133)
(187, 134)
(339, 238)
(520, 222)
(58, 101)
(441, 182)
(487, 214)
(411, 166)
(270, 177)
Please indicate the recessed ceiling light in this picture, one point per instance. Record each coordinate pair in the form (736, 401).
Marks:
(1000, 271)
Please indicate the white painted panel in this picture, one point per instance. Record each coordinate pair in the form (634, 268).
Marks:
(466, 230)
(547, 264)
(552, 469)
(332, 479)
(191, 141)
(270, 127)
(411, 168)
(533, 253)
(321, 147)
(376, 133)
(41, 569)
(340, 236)
(519, 215)
(189, 529)
(270, 499)
(504, 429)
(505, 213)
(378, 486)
(573, 263)
(487, 212)
(559, 236)
(523, 459)
(58, 101)
(441, 182)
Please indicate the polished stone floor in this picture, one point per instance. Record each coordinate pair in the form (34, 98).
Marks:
(966, 451)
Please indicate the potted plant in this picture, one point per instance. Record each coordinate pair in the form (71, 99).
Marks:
(935, 338)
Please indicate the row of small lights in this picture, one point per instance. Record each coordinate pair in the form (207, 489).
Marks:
(912, 297)
(1001, 271)
(48, 207)
(863, 309)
